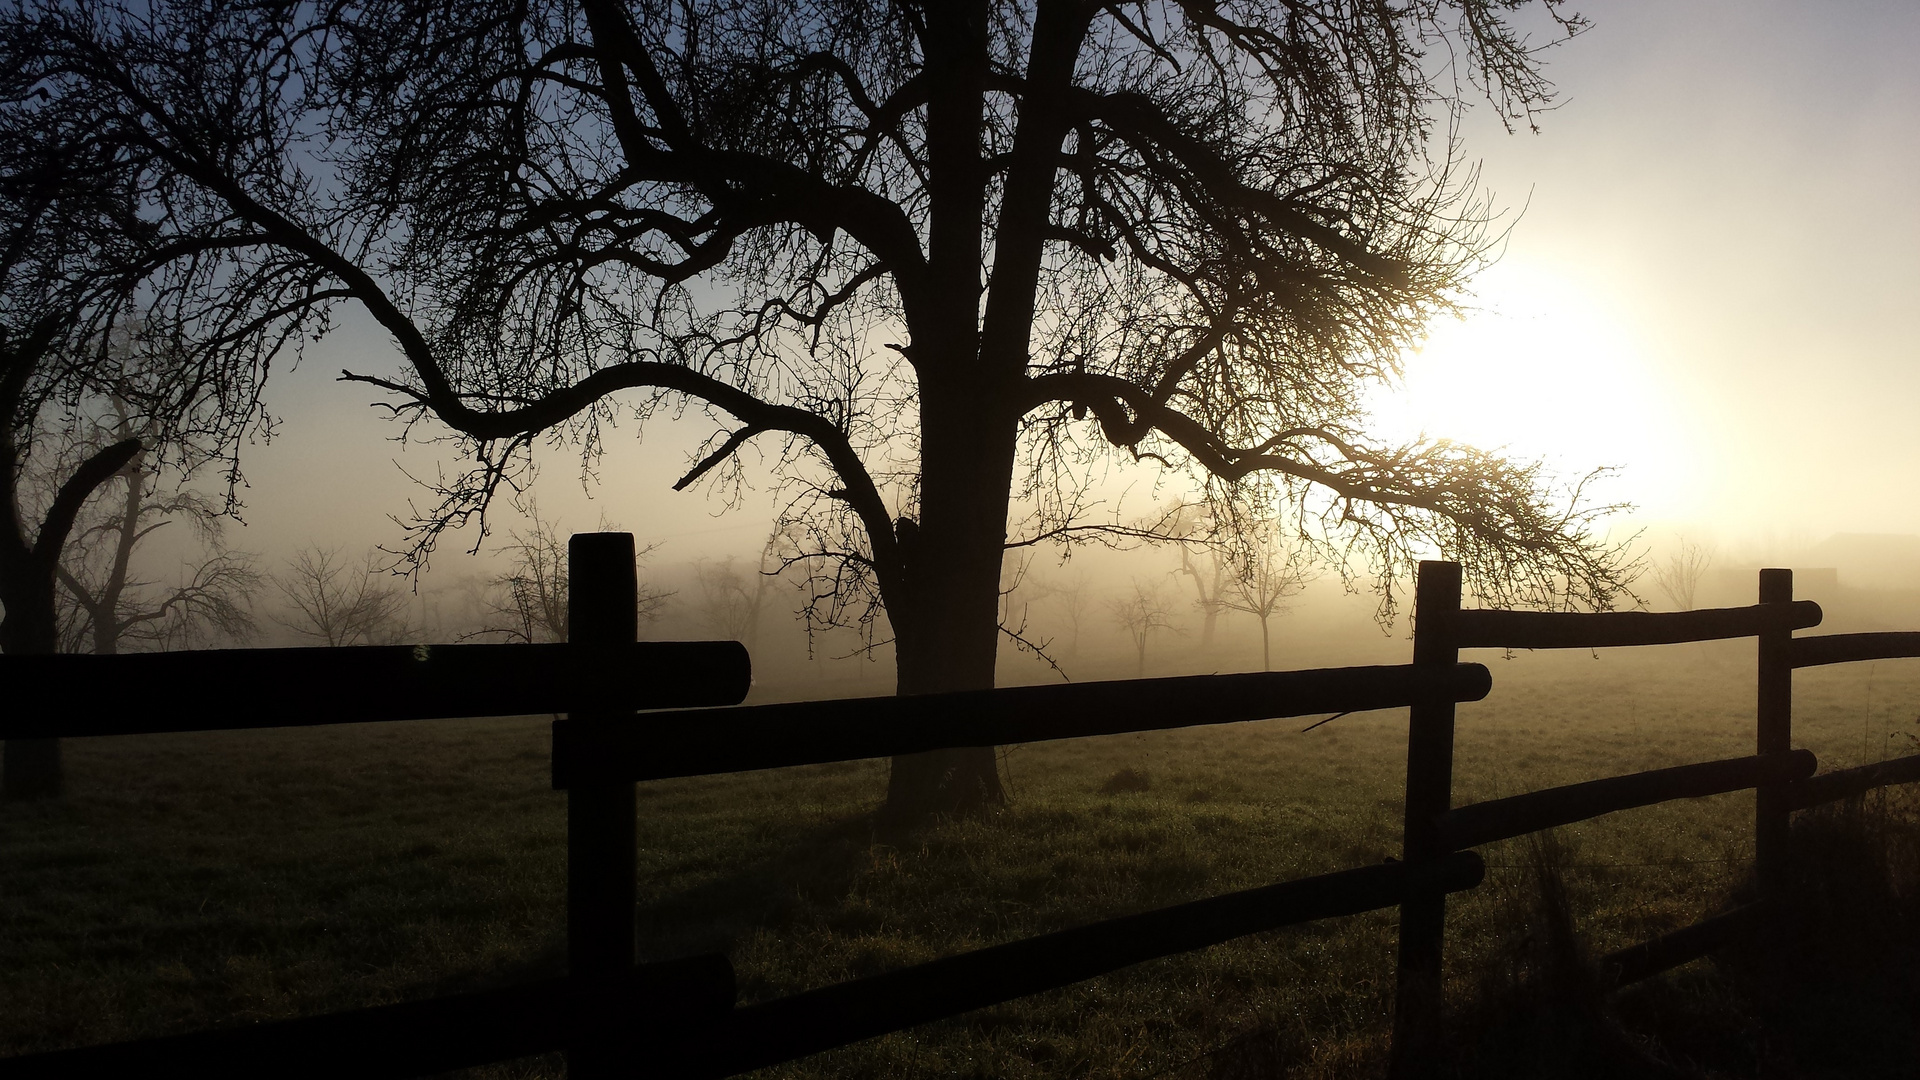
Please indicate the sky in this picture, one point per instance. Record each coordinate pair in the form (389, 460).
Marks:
(1710, 282)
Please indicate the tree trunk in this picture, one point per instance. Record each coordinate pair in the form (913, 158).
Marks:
(946, 624)
(1266, 647)
(30, 768)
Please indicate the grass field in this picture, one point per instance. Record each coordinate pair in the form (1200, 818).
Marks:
(197, 880)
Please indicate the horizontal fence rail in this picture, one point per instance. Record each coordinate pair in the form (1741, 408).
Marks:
(1495, 629)
(413, 1038)
(808, 1023)
(813, 732)
(1846, 783)
(1850, 648)
(1503, 819)
(1668, 951)
(678, 1015)
(258, 688)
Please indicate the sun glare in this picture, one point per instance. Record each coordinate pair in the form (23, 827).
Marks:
(1542, 370)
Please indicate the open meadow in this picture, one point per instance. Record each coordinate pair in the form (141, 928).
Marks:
(190, 881)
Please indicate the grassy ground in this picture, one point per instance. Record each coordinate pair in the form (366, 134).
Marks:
(192, 881)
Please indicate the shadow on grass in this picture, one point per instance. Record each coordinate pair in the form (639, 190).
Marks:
(811, 872)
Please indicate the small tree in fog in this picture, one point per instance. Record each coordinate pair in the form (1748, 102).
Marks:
(337, 601)
(1070, 598)
(1141, 614)
(731, 599)
(1267, 572)
(528, 603)
(1680, 576)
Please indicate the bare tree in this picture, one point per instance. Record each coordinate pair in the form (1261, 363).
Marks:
(105, 607)
(1680, 576)
(337, 601)
(97, 301)
(731, 600)
(1265, 572)
(1142, 613)
(947, 257)
(1070, 596)
(528, 603)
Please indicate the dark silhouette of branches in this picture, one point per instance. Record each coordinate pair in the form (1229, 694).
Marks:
(1680, 575)
(1142, 613)
(105, 607)
(937, 260)
(336, 601)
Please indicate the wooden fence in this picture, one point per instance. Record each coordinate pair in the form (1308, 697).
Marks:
(679, 1017)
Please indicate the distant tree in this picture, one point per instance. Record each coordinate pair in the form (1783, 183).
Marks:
(528, 603)
(1265, 572)
(731, 599)
(105, 608)
(337, 601)
(947, 257)
(1071, 597)
(1202, 562)
(1680, 575)
(1142, 613)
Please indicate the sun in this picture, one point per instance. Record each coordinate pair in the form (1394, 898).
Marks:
(1541, 368)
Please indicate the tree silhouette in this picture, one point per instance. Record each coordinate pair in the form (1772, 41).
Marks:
(102, 298)
(731, 600)
(1142, 613)
(104, 606)
(1680, 576)
(336, 601)
(943, 258)
(1264, 573)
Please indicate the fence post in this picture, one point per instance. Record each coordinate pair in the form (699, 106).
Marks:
(1417, 991)
(603, 609)
(1773, 713)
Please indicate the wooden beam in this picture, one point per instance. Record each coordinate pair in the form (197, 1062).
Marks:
(1502, 819)
(412, 1038)
(1846, 783)
(1668, 951)
(1849, 648)
(710, 741)
(224, 689)
(761, 1035)
(1493, 629)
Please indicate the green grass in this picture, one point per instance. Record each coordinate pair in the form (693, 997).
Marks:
(194, 881)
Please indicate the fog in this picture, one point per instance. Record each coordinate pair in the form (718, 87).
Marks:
(1708, 283)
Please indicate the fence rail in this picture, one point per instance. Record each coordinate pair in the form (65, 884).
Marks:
(262, 688)
(1494, 629)
(808, 1023)
(813, 732)
(1851, 648)
(1668, 951)
(1518, 815)
(611, 1016)
(412, 1038)
(1846, 783)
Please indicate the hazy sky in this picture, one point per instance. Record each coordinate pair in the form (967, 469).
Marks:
(1712, 285)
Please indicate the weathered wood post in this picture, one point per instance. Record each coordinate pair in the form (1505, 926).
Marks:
(1773, 710)
(602, 610)
(1417, 992)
